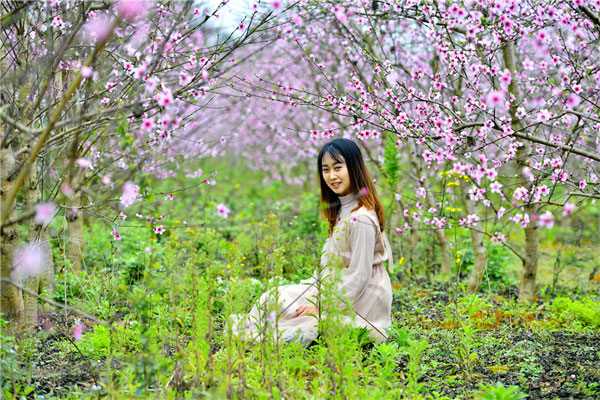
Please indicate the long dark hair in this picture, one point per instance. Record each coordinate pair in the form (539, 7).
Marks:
(360, 181)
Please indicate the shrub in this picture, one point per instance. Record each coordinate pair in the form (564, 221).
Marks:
(585, 312)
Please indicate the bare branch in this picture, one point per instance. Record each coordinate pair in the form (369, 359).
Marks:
(54, 303)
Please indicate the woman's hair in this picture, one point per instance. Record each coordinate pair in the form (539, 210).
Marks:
(360, 181)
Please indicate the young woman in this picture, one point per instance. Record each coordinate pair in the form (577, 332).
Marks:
(356, 246)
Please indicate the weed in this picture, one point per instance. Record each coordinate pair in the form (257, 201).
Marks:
(499, 392)
(464, 350)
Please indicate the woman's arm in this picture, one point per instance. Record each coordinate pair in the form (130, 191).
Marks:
(362, 239)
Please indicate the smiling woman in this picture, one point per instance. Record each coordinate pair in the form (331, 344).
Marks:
(356, 243)
(335, 174)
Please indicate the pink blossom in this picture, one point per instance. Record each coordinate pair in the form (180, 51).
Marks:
(184, 79)
(67, 190)
(151, 85)
(506, 77)
(546, 219)
(501, 212)
(472, 219)
(364, 191)
(28, 259)
(272, 317)
(527, 174)
(276, 5)
(582, 185)
(223, 211)
(105, 179)
(164, 98)
(495, 99)
(87, 72)
(83, 163)
(159, 230)
(117, 236)
(399, 231)
(521, 193)
(44, 212)
(169, 197)
(544, 115)
(498, 238)
(568, 209)
(340, 14)
(148, 124)
(495, 187)
(132, 10)
(562, 176)
(139, 72)
(353, 218)
(573, 101)
(526, 221)
(78, 331)
(97, 29)
(130, 193)
(297, 20)
(147, 249)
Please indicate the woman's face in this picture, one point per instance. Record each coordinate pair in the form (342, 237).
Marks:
(335, 174)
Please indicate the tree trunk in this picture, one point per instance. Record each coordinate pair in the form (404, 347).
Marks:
(527, 287)
(75, 239)
(47, 279)
(530, 261)
(32, 197)
(11, 304)
(38, 235)
(479, 250)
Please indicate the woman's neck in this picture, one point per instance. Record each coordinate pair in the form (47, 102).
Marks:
(348, 200)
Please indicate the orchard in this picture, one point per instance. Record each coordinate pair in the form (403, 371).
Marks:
(159, 173)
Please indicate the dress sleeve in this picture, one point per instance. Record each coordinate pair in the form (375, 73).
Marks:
(362, 239)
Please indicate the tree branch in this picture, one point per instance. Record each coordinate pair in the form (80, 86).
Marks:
(54, 303)
(535, 139)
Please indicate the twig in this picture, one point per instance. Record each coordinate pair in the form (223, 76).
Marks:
(17, 124)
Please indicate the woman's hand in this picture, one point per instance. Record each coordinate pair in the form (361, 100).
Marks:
(306, 310)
